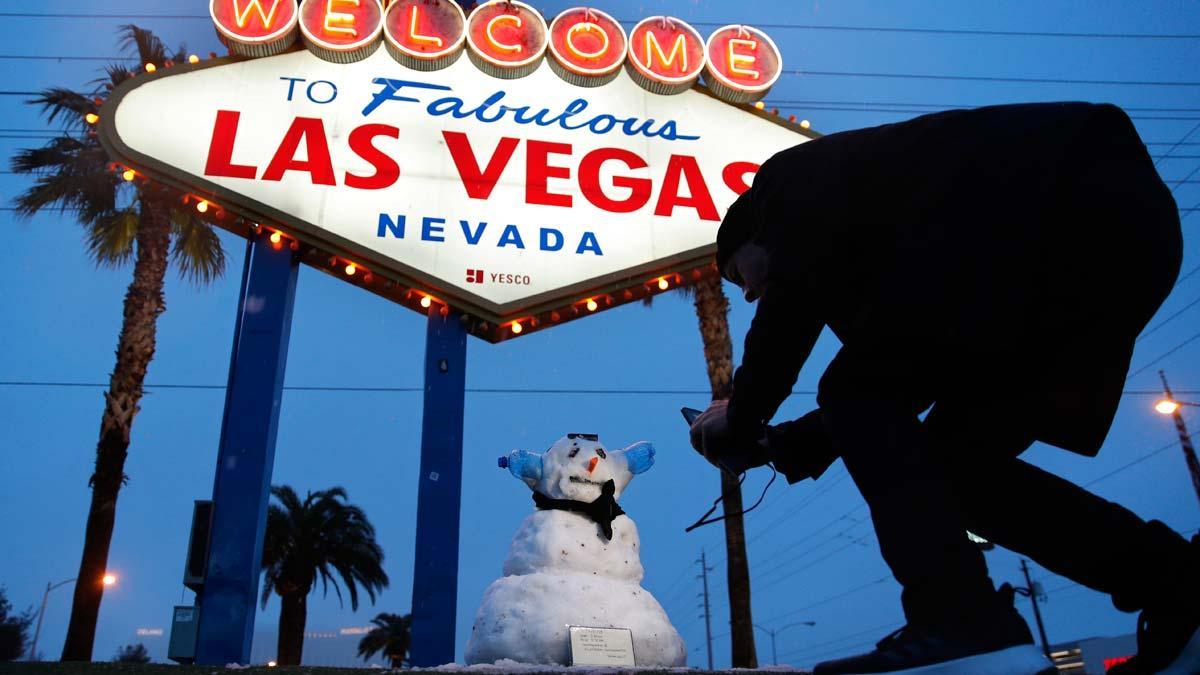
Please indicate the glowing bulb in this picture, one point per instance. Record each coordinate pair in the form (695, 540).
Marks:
(351, 269)
(91, 118)
(193, 59)
(427, 302)
(109, 579)
(129, 175)
(760, 105)
(276, 237)
(150, 67)
(804, 124)
(202, 207)
(270, 664)
(663, 284)
(517, 328)
(1166, 406)
(592, 306)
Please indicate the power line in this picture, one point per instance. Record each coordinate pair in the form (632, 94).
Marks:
(1181, 141)
(1169, 353)
(1168, 320)
(1139, 460)
(843, 638)
(920, 30)
(826, 601)
(993, 78)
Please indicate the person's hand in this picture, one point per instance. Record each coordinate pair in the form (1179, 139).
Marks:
(713, 438)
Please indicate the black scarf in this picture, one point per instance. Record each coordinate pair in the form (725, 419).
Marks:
(603, 511)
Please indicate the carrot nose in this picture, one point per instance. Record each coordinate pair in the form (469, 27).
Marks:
(592, 464)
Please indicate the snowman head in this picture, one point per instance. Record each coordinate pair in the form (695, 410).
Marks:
(577, 466)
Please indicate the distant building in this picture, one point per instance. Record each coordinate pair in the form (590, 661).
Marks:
(1093, 656)
(337, 648)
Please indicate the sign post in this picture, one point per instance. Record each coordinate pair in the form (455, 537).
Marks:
(435, 574)
(246, 454)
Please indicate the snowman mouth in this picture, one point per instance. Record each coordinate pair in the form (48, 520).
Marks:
(584, 481)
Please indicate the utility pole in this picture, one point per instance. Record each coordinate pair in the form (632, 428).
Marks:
(1037, 612)
(1185, 439)
(777, 631)
(704, 570)
(37, 633)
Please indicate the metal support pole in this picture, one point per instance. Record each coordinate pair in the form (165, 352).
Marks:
(774, 654)
(1037, 612)
(439, 492)
(1185, 439)
(246, 454)
(704, 570)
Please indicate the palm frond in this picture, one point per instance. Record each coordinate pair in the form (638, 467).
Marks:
(143, 44)
(111, 237)
(197, 250)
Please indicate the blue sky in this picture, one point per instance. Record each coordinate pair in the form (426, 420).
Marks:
(811, 552)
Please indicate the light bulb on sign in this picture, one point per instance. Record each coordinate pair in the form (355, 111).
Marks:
(150, 67)
(193, 59)
(129, 175)
(426, 302)
(592, 305)
(254, 27)
(276, 238)
(91, 118)
(805, 124)
(351, 269)
(517, 328)
(202, 206)
(341, 31)
(663, 284)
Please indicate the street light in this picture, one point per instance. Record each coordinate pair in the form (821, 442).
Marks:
(107, 580)
(773, 633)
(1171, 406)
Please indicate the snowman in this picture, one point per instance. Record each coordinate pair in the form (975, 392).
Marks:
(573, 562)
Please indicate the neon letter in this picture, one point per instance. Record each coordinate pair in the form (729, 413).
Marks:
(243, 15)
(736, 60)
(340, 22)
(677, 49)
(417, 37)
(587, 27)
(510, 48)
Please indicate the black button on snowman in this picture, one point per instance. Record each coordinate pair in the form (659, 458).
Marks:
(573, 562)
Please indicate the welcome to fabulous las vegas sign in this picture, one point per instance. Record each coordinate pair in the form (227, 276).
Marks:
(559, 170)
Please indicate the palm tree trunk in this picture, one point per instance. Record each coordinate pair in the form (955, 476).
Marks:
(144, 302)
(293, 615)
(712, 309)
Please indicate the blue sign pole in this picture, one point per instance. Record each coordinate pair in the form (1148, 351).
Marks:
(246, 454)
(435, 577)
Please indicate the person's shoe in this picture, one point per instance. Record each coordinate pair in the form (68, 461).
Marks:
(1168, 640)
(1006, 649)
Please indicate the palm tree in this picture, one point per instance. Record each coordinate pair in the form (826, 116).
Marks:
(123, 221)
(317, 537)
(391, 635)
(712, 310)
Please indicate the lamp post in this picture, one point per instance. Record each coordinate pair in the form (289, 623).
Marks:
(1170, 406)
(108, 580)
(773, 633)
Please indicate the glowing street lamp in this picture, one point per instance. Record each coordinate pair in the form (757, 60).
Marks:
(777, 631)
(109, 579)
(1169, 405)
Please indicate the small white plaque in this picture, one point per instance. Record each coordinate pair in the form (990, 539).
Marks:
(604, 647)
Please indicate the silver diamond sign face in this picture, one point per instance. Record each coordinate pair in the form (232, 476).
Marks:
(522, 202)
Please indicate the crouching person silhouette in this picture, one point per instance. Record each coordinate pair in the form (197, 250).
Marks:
(992, 267)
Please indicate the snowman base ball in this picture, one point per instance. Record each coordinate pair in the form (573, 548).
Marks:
(562, 570)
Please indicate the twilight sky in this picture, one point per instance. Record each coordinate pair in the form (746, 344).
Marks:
(812, 555)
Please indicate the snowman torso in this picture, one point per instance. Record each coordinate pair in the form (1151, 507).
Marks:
(561, 571)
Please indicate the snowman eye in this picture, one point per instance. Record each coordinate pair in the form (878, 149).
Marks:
(574, 451)
(600, 451)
